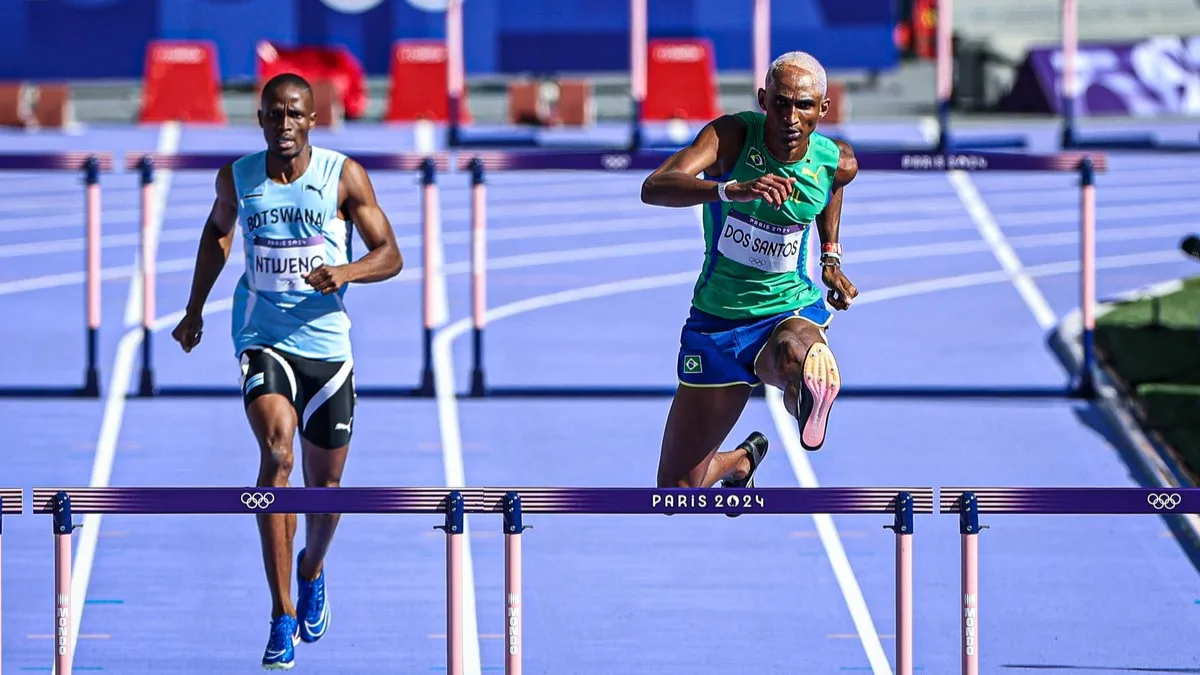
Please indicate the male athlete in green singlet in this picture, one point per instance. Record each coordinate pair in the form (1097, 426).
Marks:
(756, 317)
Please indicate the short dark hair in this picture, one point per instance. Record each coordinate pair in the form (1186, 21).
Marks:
(283, 80)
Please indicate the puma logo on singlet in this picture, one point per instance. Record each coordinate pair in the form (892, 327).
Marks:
(319, 190)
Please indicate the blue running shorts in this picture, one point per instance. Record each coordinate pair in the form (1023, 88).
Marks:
(716, 352)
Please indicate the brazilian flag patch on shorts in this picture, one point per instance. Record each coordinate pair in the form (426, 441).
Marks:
(692, 365)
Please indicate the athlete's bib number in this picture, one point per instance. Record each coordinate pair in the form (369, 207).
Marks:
(281, 264)
(761, 245)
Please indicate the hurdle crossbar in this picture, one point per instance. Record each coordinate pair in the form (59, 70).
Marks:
(969, 502)
(1086, 164)
(454, 503)
(91, 164)
(12, 503)
(147, 164)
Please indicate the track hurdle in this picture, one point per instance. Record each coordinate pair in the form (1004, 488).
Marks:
(427, 166)
(63, 503)
(969, 502)
(900, 503)
(11, 503)
(1087, 165)
(91, 164)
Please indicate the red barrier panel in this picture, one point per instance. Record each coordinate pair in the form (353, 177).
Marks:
(418, 87)
(334, 64)
(181, 83)
(681, 81)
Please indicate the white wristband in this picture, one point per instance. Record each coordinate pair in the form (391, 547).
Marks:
(721, 189)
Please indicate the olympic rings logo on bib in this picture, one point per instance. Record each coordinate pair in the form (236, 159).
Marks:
(759, 244)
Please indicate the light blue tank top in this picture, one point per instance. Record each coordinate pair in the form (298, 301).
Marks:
(287, 231)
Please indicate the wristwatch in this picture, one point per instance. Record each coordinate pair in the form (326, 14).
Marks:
(721, 189)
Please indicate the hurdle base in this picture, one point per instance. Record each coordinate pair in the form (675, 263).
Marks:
(49, 392)
(91, 384)
(426, 388)
(478, 383)
(146, 387)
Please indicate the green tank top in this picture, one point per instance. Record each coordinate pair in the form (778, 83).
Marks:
(755, 256)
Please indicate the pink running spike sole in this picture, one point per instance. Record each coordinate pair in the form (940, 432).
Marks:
(822, 382)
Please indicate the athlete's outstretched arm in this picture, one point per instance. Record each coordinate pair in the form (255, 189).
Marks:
(714, 151)
(829, 222)
(216, 240)
(383, 259)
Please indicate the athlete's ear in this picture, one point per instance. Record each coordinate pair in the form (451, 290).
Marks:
(762, 99)
(825, 103)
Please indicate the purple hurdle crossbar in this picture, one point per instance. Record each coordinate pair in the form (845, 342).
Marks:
(969, 502)
(11, 504)
(902, 503)
(146, 164)
(1087, 164)
(91, 164)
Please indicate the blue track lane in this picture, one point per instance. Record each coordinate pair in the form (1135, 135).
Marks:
(606, 594)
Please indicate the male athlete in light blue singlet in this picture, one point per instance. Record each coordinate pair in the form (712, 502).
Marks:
(297, 205)
(756, 317)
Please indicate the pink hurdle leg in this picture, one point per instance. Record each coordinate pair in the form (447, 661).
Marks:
(903, 527)
(969, 531)
(904, 605)
(454, 528)
(970, 598)
(91, 385)
(478, 274)
(513, 636)
(63, 642)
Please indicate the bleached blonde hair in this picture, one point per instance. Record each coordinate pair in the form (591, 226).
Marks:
(802, 60)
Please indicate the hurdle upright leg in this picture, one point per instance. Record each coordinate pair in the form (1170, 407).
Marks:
(63, 616)
(968, 520)
(146, 386)
(478, 273)
(429, 210)
(454, 527)
(903, 527)
(1086, 387)
(513, 634)
(91, 202)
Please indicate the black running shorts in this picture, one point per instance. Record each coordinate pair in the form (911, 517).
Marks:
(322, 392)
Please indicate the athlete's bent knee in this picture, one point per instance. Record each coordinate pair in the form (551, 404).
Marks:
(791, 359)
(277, 459)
